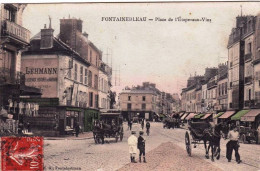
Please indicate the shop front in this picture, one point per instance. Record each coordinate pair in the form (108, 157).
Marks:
(89, 116)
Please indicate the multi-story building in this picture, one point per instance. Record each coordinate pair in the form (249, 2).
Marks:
(105, 74)
(62, 75)
(211, 94)
(71, 34)
(14, 38)
(138, 102)
(236, 50)
(222, 101)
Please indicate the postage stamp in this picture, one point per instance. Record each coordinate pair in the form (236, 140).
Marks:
(22, 153)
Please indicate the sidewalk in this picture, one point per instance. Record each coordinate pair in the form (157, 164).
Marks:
(82, 136)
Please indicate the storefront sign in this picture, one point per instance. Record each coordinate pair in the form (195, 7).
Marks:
(42, 73)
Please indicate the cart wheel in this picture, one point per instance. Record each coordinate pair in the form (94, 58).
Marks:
(121, 136)
(187, 143)
(116, 136)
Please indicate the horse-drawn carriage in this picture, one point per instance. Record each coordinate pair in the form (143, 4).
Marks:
(203, 131)
(110, 125)
(171, 123)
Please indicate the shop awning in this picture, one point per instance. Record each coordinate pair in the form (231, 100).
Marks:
(239, 114)
(219, 114)
(198, 116)
(207, 115)
(191, 115)
(183, 116)
(227, 114)
(251, 115)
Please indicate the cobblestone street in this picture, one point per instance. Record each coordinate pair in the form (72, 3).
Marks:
(165, 151)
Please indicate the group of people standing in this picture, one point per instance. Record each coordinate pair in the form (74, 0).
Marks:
(135, 143)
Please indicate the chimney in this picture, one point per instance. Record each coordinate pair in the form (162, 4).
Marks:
(47, 37)
(68, 31)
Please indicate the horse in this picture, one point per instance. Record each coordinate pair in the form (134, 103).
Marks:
(213, 136)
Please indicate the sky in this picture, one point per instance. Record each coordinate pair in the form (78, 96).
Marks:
(162, 52)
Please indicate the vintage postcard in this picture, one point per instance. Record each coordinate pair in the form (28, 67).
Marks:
(130, 86)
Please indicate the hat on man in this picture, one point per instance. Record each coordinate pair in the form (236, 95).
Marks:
(141, 132)
(133, 132)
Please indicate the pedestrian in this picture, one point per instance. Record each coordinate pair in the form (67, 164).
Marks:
(233, 136)
(132, 143)
(142, 124)
(141, 146)
(29, 127)
(77, 128)
(148, 127)
(131, 122)
(128, 122)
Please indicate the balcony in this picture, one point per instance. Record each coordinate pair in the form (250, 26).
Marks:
(9, 76)
(248, 80)
(15, 31)
(248, 57)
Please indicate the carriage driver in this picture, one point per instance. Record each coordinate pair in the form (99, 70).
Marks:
(132, 143)
(141, 146)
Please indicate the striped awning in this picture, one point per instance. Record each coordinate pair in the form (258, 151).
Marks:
(183, 116)
(227, 114)
(198, 116)
(206, 116)
(219, 114)
(239, 114)
(191, 115)
(251, 115)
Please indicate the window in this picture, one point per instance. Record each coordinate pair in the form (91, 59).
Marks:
(129, 98)
(90, 99)
(9, 13)
(143, 98)
(129, 106)
(249, 48)
(81, 74)
(90, 56)
(86, 76)
(90, 79)
(225, 87)
(76, 72)
(143, 106)
(96, 101)
(249, 94)
(96, 82)
(96, 60)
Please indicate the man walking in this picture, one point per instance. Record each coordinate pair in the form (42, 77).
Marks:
(141, 146)
(77, 128)
(233, 136)
(148, 127)
(132, 143)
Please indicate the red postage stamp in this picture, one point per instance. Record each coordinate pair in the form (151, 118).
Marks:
(22, 153)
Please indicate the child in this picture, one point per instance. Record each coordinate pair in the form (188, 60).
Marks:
(141, 146)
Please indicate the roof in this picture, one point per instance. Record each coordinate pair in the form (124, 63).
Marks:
(59, 47)
(239, 114)
(227, 114)
(251, 115)
(137, 91)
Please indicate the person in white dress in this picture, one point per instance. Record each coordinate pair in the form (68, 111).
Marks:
(132, 143)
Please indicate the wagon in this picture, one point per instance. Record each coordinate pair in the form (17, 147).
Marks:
(195, 134)
(110, 125)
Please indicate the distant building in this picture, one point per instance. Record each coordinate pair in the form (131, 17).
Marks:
(138, 103)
